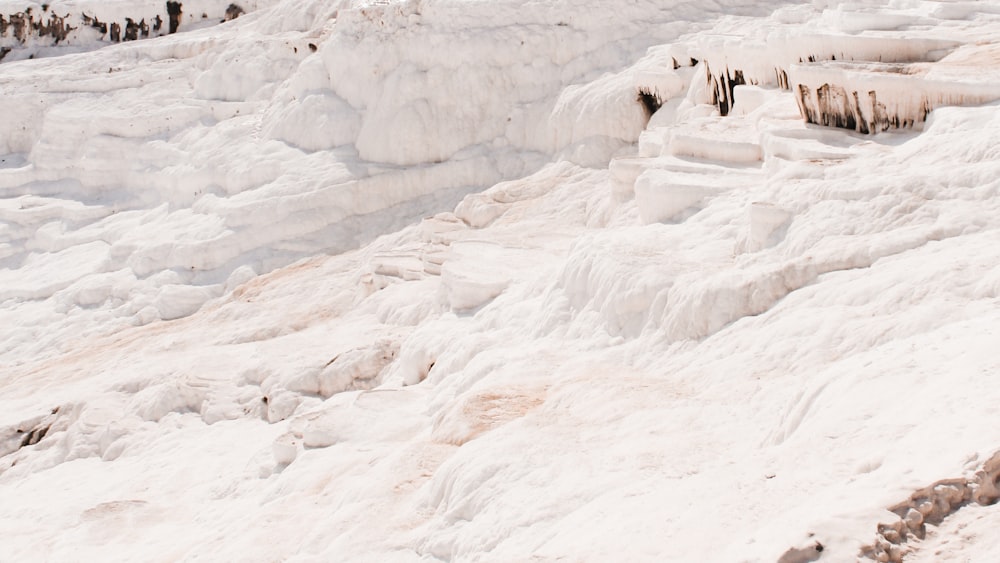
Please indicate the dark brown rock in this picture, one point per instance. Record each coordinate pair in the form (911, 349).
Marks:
(233, 11)
(174, 16)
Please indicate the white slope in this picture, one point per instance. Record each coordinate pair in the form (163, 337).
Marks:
(423, 281)
(969, 535)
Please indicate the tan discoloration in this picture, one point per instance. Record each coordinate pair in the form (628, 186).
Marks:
(482, 412)
(89, 356)
(257, 286)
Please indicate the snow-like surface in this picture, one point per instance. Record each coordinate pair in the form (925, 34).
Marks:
(969, 535)
(423, 281)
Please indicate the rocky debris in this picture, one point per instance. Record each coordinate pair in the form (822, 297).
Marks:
(650, 101)
(931, 505)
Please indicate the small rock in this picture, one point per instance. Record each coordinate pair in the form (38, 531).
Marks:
(913, 519)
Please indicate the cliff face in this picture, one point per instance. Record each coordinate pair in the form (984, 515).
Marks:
(867, 84)
(871, 97)
(23, 25)
(26, 32)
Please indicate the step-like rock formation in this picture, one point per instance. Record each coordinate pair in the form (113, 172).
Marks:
(866, 83)
(870, 97)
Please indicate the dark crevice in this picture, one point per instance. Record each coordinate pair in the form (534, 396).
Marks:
(34, 436)
(723, 89)
(649, 100)
(27, 433)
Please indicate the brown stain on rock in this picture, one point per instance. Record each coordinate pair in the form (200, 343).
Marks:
(233, 11)
(255, 287)
(23, 25)
(173, 16)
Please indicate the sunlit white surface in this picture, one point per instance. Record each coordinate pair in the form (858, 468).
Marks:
(423, 281)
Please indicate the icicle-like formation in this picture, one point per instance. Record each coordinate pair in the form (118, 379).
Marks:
(722, 88)
(875, 97)
(729, 64)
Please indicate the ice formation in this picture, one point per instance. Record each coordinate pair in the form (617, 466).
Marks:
(501, 281)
